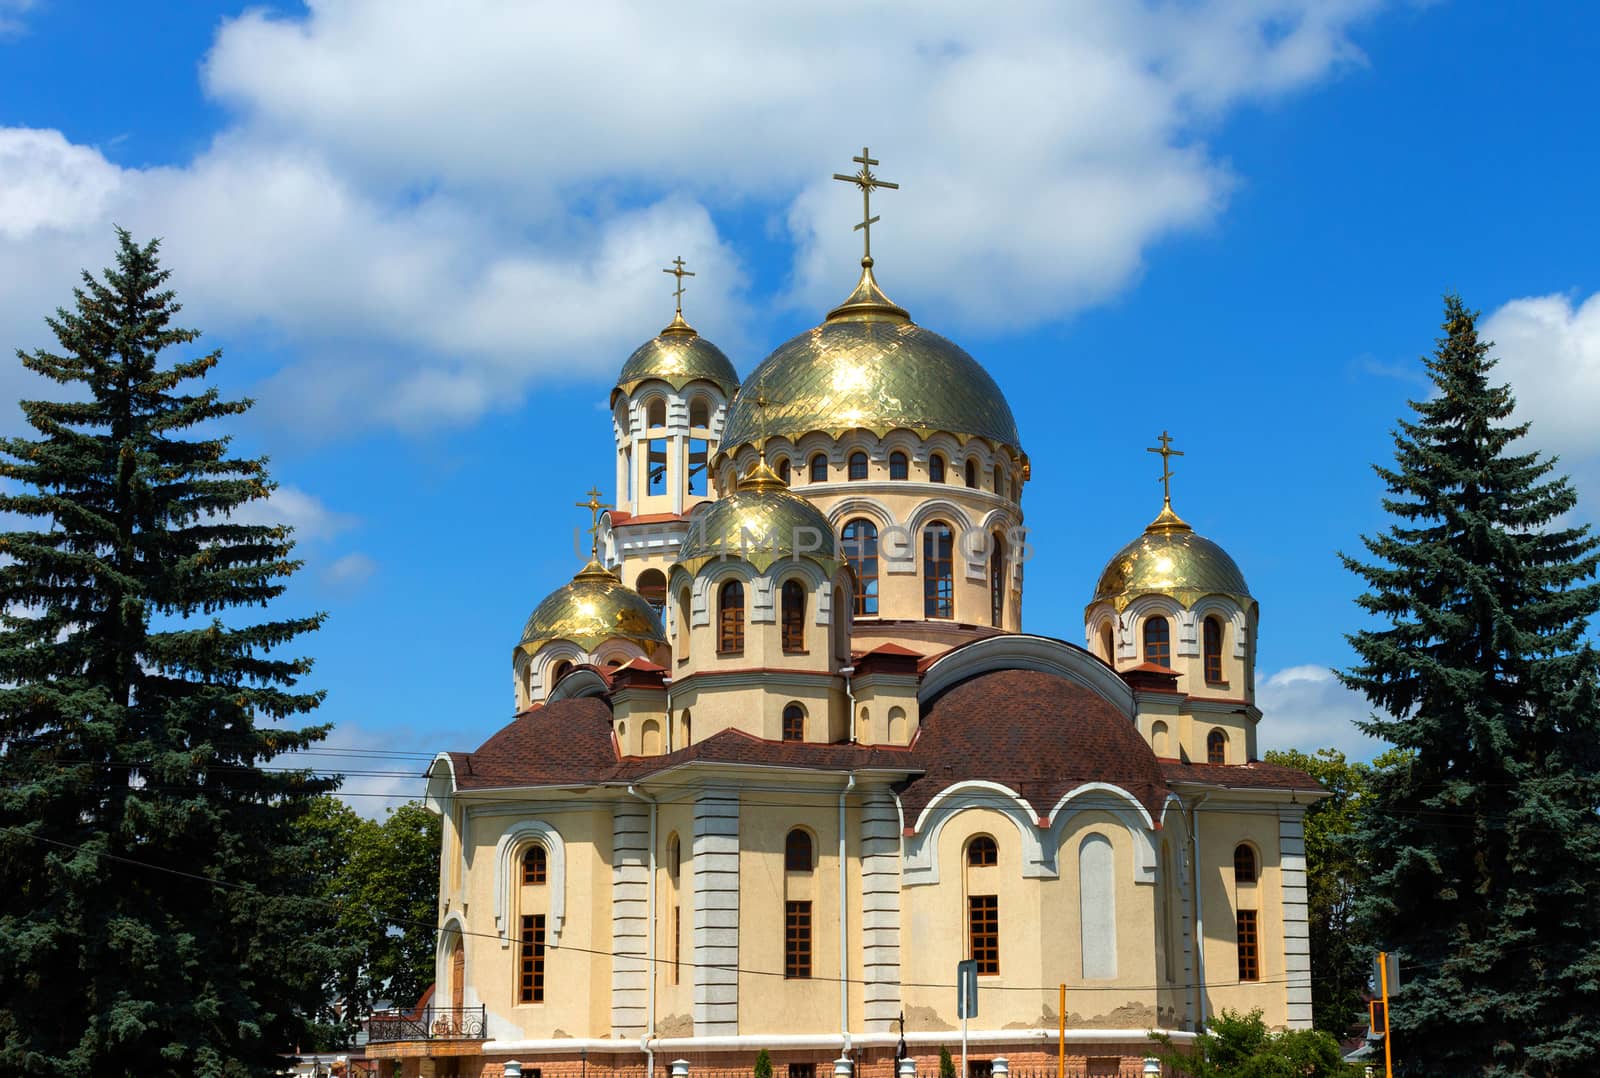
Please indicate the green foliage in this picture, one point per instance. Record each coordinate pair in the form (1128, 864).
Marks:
(763, 1064)
(382, 879)
(158, 913)
(947, 1066)
(1240, 1046)
(1484, 843)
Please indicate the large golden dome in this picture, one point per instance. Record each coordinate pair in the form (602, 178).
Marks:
(593, 608)
(761, 522)
(1170, 559)
(677, 355)
(869, 367)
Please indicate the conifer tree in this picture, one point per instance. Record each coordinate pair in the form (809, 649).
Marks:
(157, 914)
(1485, 844)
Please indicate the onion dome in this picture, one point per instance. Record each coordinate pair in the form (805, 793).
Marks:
(677, 355)
(761, 522)
(1170, 559)
(868, 366)
(593, 608)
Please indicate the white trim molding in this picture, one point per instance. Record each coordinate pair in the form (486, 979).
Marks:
(513, 841)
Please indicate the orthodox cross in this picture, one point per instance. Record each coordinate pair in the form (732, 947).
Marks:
(1167, 452)
(680, 273)
(868, 183)
(594, 505)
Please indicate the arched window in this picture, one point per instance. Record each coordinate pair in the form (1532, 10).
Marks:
(899, 467)
(559, 671)
(861, 551)
(1157, 641)
(936, 469)
(982, 852)
(938, 571)
(656, 413)
(699, 413)
(819, 468)
(997, 582)
(857, 466)
(999, 479)
(797, 856)
(688, 731)
(1212, 633)
(730, 617)
(674, 856)
(971, 474)
(794, 723)
(1097, 909)
(783, 470)
(535, 865)
(1108, 648)
(652, 584)
(683, 623)
(794, 616)
(1244, 864)
(1216, 747)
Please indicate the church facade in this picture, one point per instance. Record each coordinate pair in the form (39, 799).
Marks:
(783, 754)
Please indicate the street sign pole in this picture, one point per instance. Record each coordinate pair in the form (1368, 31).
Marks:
(1061, 1043)
(966, 1001)
(1383, 986)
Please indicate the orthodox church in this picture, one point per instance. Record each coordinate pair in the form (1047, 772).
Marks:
(783, 756)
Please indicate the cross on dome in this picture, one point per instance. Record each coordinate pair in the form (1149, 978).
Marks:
(1167, 452)
(594, 505)
(868, 184)
(680, 273)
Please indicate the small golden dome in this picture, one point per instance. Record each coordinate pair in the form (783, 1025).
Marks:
(761, 522)
(870, 367)
(1170, 559)
(593, 608)
(677, 355)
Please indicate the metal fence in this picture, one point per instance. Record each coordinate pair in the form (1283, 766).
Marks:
(428, 1024)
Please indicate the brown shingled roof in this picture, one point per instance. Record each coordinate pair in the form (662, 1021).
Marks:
(1255, 775)
(1038, 733)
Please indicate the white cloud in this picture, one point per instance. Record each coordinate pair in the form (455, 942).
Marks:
(350, 571)
(1549, 350)
(439, 206)
(305, 513)
(383, 768)
(11, 12)
(1306, 708)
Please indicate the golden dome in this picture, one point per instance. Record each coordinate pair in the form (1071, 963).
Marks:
(870, 367)
(677, 355)
(761, 522)
(593, 608)
(1170, 559)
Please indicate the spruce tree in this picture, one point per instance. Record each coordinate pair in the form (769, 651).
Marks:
(157, 914)
(1485, 844)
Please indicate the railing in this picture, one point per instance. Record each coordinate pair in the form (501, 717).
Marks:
(429, 1024)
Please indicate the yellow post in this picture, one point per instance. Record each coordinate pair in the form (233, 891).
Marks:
(1388, 1022)
(1061, 1043)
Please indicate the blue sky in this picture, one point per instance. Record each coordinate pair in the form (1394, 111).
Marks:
(426, 237)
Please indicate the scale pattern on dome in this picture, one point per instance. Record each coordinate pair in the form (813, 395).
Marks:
(870, 375)
(760, 527)
(1181, 564)
(678, 359)
(593, 608)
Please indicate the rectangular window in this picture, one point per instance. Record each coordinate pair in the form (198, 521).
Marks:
(531, 986)
(983, 931)
(677, 940)
(697, 466)
(1249, 954)
(656, 465)
(797, 939)
(802, 1070)
(980, 1068)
